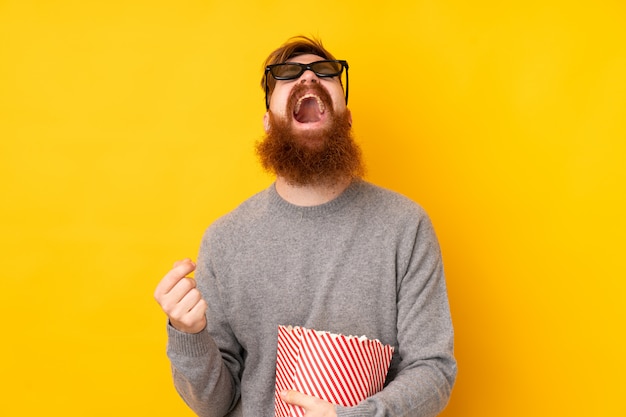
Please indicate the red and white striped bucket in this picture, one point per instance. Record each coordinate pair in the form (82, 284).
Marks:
(340, 369)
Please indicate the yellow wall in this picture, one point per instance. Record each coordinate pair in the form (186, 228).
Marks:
(126, 127)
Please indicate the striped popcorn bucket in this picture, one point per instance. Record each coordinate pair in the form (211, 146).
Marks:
(340, 369)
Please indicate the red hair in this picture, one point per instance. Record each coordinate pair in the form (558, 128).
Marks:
(298, 45)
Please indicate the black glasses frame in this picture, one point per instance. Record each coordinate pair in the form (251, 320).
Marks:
(303, 68)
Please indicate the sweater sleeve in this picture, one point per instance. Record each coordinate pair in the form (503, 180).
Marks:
(200, 376)
(206, 365)
(427, 369)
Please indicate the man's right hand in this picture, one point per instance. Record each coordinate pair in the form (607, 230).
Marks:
(180, 299)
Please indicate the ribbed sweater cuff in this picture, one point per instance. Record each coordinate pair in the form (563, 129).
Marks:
(187, 344)
(356, 411)
(345, 412)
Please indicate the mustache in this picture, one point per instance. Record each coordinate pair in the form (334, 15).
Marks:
(301, 89)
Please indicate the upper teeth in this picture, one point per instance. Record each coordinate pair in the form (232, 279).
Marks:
(320, 104)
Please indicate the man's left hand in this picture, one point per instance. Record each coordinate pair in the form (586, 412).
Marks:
(313, 407)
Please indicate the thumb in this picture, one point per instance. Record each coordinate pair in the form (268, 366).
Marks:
(297, 398)
(184, 261)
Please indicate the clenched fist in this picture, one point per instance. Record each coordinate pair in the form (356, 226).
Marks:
(180, 299)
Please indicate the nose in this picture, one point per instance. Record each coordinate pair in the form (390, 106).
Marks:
(308, 76)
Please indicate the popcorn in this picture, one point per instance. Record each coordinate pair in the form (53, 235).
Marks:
(340, 369)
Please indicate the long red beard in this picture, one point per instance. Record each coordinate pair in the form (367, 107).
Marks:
(311, 158)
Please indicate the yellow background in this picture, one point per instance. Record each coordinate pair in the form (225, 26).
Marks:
(127, 127)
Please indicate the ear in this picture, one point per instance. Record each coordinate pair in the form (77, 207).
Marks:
(266, 122)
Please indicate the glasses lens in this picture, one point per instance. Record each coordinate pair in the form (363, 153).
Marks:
(327, 68)
(286, 71)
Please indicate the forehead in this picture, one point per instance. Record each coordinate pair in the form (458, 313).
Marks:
(305, 59)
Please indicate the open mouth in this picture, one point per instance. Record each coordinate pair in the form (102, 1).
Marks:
(309, 109)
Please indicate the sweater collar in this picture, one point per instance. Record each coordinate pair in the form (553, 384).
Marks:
(284, 207)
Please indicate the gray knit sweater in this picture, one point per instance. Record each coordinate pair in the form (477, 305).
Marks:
(365, 264)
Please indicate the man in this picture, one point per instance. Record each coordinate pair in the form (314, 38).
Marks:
(320, 248)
